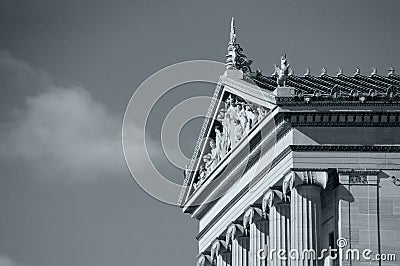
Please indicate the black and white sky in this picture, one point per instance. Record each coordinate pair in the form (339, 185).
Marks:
(67, 72)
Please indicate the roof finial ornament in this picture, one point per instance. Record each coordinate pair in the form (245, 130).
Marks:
(357, 72)
(340, 71)
(374, 72)
(231, 56)
(323, 72)
(390, 71)
(232, 35)
(307, 73)
(282, 71)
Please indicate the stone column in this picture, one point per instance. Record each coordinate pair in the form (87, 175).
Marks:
(305, 195)
(239, 244)
(220, 255)
(279, 227)
(257, 227)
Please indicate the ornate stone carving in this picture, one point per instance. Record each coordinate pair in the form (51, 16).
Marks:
(232, 232)
(236, 118)
(296, 178)
(270, 198)
(249, 217)
(335, 92)
(203, 259)
(390, 92)
(235, 59)
(288, 183)
(323, 71)
(357, 72)
(373, 72)
(231, 56)
(242, 62)
(215, 250)
(390, 71)
(282, 71)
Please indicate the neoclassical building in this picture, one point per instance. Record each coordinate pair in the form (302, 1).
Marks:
(286, 164)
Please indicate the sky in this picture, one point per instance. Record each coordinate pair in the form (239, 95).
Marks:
(67, 72)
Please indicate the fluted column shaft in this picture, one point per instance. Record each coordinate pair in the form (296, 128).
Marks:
(224, 259)
(258, 240)
(279, 234)
(240, 251)
(305, 223)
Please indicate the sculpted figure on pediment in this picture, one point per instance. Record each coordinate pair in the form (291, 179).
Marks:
(212, 159)
(242, 116)
(221, 141)
(251, 117)
(261, 113)
(238, 132)
(236, 118)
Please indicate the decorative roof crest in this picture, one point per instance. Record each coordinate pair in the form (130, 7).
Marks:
(323, 71)
(390, 71)
(357, 72)
(335, 91)
(231, 56)
(307, 73)
(232, 36)
(235, 59)
(340, 71)
(374, 72)
(283, 71)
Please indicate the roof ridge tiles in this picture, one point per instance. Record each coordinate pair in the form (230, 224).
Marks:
(347, 86)
(387, 80)
(365, 86)
(321, 88)
(383, 85)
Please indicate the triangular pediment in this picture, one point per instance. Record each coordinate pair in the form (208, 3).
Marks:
(236, 111)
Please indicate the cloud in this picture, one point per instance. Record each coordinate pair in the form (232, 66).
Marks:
(60, 132)
(17, 80)
(6, 261)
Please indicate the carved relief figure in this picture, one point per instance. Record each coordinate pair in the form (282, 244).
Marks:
(242, 116)
(221, 140)
(212, 159)
(236, 118)
(252, 118)
(238, 133)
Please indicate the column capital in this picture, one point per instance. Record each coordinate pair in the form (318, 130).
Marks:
(203, 259)
(251, 215)
(216, 248)
(271, 198)
(307, 177)
(233, 230)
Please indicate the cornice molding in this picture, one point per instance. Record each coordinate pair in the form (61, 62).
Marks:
(354, 148)
(293, 101)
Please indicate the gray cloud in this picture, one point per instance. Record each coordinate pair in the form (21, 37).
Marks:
(6, 261)
(60, 132)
